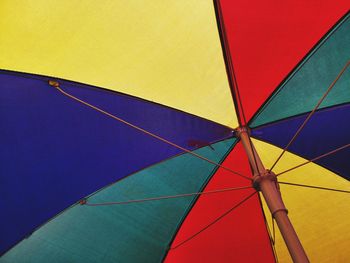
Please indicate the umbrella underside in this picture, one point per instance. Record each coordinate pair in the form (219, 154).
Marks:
(65, 166)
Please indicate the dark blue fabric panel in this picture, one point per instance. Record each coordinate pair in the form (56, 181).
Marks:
(327, 130)
(55, 151)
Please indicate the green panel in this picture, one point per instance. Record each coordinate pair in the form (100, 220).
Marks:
(138, 232)
(307, 84)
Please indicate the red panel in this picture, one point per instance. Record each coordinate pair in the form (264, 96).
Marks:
(267, 39)
(241, 236)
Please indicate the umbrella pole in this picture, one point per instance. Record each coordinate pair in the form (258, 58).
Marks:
(266, 182)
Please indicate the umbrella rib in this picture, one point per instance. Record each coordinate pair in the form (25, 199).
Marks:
(56, 85)
(311, 113)
(167, 196)
(214, 221)
(229, 64)
(274, 239)
(231, 74)
(273, 231)
(315, 159)
(316, 187)
(270, 234)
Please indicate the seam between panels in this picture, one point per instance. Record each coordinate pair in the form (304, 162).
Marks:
(291, 152)
(320, 110)
(299, 65)
(46, 78)
(157, 163)
(99, 190)
(194, 201)
(228, 60)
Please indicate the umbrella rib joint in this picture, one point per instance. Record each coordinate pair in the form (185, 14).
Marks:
(266, 182)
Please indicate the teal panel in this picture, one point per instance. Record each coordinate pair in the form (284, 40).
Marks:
(138, 232)
(301, 91)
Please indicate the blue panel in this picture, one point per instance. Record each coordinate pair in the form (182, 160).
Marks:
(327, 130)
(55, 151)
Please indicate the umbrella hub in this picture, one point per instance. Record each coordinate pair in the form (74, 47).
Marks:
(266, 182)
(266, 175)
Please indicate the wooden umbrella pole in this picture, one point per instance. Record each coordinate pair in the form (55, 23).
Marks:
(266, 182)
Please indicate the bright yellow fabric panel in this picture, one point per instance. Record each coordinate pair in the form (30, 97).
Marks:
(165, 51)
(321, 218)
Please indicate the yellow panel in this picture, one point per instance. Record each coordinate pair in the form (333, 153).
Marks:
(321, 218)
(164, 51)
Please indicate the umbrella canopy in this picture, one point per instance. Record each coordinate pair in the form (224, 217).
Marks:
(118, 129)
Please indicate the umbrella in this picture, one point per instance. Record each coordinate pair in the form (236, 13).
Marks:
(143, 132)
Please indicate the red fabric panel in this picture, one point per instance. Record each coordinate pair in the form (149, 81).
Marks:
(241, 236)
(267, 39)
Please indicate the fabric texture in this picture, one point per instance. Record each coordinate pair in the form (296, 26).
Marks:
(53, 146)
(138, 232)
